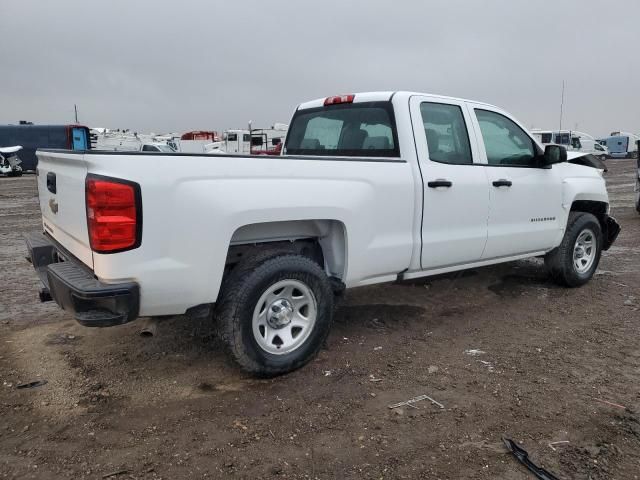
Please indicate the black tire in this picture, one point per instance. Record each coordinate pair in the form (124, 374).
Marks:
(560, 262)
(239, 296)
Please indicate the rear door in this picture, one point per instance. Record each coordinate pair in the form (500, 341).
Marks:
(617, 145)
(456, 192)
(525, 202)
(61, 190)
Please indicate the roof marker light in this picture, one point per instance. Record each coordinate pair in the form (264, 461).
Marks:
(338, 99)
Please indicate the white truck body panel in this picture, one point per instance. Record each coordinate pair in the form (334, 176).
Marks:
(380, 211)
(176, 271)
(64, 215)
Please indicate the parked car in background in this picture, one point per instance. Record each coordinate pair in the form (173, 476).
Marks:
(10, 162)
(370, 188)
(572, 140)
(156, 147)
(622, 145)
(31, 137)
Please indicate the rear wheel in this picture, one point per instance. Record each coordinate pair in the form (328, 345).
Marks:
(275, 313)
(575, 261)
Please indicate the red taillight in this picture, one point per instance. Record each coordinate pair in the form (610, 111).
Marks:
(113, 215)
(339, 99)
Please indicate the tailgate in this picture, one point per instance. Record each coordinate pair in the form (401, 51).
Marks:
(61, 188)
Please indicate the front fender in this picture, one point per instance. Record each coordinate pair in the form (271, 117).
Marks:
(586, 188)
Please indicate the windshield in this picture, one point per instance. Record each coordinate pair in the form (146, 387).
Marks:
(165, 148)
(365, 129)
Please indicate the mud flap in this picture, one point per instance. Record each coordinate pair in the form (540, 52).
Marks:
(612, 230)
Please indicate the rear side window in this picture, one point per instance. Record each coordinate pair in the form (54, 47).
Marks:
(354, 129)
(446, 131)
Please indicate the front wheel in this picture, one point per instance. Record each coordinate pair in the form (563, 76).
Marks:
(274, 314)
(574, 262)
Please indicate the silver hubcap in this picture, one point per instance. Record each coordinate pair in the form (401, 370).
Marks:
(284, 317)
(584, 251)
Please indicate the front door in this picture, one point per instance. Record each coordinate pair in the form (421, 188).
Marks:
(456, 193)
(525, 205)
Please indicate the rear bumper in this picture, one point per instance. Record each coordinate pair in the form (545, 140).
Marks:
(75, 289)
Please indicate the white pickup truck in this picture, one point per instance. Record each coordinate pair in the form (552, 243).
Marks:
(370, 188)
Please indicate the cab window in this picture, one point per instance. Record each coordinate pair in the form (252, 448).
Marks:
(446, 132)
(505, 142)
(364, 129)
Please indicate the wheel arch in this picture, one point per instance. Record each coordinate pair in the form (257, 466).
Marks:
(595, 207)
(598, 209)
(324, 240)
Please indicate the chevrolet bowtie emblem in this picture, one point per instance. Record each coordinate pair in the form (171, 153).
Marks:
(53, 205)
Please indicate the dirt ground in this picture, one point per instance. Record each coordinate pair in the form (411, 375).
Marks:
(505, 352)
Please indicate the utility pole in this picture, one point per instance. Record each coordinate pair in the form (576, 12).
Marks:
(561, 104)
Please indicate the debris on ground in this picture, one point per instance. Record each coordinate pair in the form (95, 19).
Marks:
(115, 474)
(523, 457)
(611, 404)
(474, 352)
(410, 402)
(34, 384)
(561, 442)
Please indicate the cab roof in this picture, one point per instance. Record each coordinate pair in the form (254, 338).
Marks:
(385, 96)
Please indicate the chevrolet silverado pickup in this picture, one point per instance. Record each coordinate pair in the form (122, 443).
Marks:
(370, 188)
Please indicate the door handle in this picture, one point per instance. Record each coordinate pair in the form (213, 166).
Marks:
(502, 183)
(51, 182)
(439, 183)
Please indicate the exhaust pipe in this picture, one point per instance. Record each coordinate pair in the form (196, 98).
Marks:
(149, 328)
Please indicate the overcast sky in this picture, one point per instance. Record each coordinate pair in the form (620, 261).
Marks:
(160, 65)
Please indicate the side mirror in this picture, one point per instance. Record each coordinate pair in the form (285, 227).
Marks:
(554, 154)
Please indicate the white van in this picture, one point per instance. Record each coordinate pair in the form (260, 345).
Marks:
(572, 140)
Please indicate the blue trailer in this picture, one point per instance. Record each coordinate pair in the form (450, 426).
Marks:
(32, 137)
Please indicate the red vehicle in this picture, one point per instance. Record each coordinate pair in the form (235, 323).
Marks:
(210, 135)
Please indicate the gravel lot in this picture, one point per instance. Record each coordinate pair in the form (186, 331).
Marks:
(504, 350)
